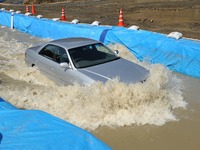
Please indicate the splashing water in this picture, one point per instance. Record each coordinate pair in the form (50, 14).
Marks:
(111, 104)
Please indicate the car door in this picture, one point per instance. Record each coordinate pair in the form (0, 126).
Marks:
(63, 75)
(46, 59)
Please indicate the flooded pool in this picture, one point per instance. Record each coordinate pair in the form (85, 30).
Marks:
(162, 113)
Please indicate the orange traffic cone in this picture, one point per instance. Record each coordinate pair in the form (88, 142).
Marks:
(63, 18)
(121, 22)
(27, 10)
(33, 9)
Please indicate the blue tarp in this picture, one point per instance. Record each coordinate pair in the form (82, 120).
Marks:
(6, 106)
(37, 130)
(179, 55)
(55, 30)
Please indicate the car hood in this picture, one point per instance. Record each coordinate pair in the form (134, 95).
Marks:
(124, 70)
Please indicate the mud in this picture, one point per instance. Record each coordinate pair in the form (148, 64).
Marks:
(162, 16)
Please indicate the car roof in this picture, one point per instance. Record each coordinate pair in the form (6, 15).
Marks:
(69, 43)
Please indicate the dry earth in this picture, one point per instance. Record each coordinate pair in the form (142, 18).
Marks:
(162, 16)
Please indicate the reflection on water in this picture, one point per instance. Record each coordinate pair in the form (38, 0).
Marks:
(141, 116)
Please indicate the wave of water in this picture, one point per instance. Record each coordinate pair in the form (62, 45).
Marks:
(113, 104)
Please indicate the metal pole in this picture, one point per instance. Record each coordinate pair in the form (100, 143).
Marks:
(12, 20)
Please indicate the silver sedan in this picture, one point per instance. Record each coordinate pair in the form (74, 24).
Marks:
(82, 61)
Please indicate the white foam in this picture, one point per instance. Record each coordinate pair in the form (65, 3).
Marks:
(113, 104)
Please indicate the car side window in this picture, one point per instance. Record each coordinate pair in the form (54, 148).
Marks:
(48, 52)
(55, 53)
(61, 55)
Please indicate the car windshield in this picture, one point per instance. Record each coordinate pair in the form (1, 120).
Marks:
(91, 55)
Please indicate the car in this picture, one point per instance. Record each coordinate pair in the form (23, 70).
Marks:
(83, 61)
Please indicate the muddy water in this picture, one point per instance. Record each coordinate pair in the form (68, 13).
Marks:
(183, 134)
(162, 113)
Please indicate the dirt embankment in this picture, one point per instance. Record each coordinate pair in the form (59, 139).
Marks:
(159, 16)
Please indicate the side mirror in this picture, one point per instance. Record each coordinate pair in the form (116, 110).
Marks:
(117, 52)
(65, 65)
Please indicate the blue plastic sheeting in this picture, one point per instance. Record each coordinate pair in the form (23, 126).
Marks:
(6, 106)
(49, 28)
(5, 18)
(33, 129)
(179, 55)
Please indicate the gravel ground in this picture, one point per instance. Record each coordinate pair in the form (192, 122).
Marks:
(162, 16)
